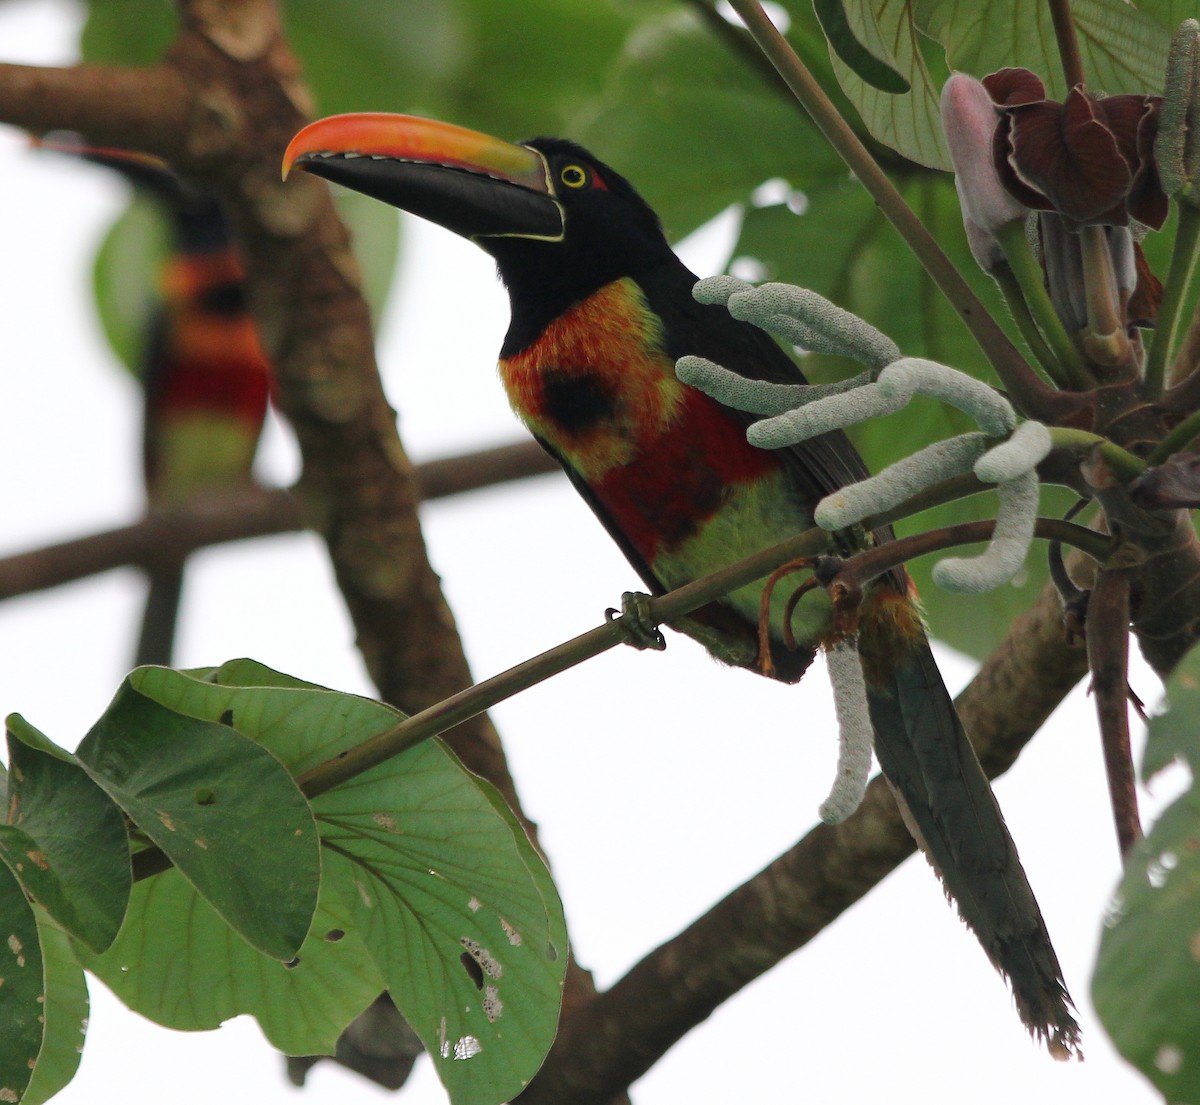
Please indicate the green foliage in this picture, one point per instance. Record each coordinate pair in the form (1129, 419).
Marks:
(197, 975)
(864, 57)
(65, 1009)
(695, 147)
(910, 122)
(413, 877)
(223, 809)
(21, 1030)
(65, 838)
(437, 878)
(1148, 973)
(1123, 50)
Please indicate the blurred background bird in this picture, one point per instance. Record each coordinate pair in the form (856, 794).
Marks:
(205, 380)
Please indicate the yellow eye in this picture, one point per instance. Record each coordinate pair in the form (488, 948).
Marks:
(573, 176)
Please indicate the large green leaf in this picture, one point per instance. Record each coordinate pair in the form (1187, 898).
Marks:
(863, 55)
(1148, 973)
(177, 962)
(223, 809)
(512, 70)
(23, 993)
(696, 127)
(361, 55)
(1122, 49)
(128, 32)
(66, 839)
(438, 877)
(65, 1010)
(910, 122)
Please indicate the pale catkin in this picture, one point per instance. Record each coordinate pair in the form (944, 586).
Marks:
(855, 735)
(899, 481)
(717, 289)
(1028, 446)
(811, 321)
(1006, 552)
(831, 413)
(992, 413)
(754, 396)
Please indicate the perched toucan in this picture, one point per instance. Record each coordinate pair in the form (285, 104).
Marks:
(601, 310)
(205, 379)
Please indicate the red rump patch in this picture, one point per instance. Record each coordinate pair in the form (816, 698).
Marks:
(682, 478)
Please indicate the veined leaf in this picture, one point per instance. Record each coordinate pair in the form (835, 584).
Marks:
(222, 808)
(1123, 49)
(696, 126)
(66, 839)
(439, 879)
(911, 122)
(177, 962)
(866, 55)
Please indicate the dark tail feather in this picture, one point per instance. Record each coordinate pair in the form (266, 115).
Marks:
(949, 806)
(156, 642)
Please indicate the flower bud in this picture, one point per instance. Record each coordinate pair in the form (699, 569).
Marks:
(969, 118)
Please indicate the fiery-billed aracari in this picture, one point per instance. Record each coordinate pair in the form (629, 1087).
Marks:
(204, 377)
(601, 310)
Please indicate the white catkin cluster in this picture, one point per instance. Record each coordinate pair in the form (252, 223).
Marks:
(797, 412)
(855, 735)
(802, 317)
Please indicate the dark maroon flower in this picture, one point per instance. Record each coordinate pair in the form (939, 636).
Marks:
(1090, 158)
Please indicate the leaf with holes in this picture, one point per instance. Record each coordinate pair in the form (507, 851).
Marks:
(67, 841)
(222, 808)
(177, 962)
(438, 877)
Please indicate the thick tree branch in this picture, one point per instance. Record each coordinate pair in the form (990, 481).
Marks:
(234, 515)
(620, 1034)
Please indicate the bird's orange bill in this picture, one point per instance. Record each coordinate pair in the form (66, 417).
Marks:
(468, 182)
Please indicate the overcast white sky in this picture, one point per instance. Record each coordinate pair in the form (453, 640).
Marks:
(659, 781)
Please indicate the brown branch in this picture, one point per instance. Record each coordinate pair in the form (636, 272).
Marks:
(1108, 658)
(234, 515)
(619, 1035)
(864, 566)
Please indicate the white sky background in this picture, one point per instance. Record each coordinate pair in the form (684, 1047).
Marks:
(659, 780)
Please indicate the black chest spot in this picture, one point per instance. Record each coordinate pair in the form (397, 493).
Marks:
(576, 403)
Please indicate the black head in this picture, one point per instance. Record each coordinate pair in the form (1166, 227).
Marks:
(559, 222)
(608, 231)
